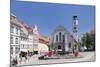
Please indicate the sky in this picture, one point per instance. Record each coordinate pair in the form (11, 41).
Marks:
(47, 16)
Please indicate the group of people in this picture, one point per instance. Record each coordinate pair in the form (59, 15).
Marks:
(22, 56)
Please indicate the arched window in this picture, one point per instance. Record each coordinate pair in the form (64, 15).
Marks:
(59, 36)
(56, 37)
(63, 38)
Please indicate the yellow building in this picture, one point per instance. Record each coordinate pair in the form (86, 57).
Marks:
(44, 40)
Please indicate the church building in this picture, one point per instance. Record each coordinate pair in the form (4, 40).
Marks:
(61, 40)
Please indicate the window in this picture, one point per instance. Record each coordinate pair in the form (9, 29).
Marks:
(69, 45)
(11, 50)
(21, 32)
(17, 31)
(16, 50)
(16, 40)
(59, 36)
(30, 40)
(75, 27)
(12, 29)
(12, 40)
(23, 46)
(63, 38)
(56, 37)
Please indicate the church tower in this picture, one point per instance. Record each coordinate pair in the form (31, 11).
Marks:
(75, 28)
(75, 33)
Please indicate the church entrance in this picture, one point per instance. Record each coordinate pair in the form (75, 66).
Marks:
(59, 47)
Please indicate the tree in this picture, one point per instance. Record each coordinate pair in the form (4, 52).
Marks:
(86, 40)
(50, 46)
(93, 40)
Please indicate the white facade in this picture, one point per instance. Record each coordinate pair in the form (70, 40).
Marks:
(26, 39)
(15, 27)
(30, 40)
(21, 37)
(61, 39)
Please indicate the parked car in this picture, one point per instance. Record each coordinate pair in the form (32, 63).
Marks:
(43, 57)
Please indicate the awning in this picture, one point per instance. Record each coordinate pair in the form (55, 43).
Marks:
(30, 50)
(24, 50)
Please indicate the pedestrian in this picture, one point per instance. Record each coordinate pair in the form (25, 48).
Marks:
(20, 58)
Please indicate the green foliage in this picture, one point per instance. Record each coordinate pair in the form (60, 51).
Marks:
(50, 47)
(88, 40)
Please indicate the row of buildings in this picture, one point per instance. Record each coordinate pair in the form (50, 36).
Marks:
(25, 38)
(28, 39)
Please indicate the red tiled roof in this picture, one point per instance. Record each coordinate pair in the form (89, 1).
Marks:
(13, 20)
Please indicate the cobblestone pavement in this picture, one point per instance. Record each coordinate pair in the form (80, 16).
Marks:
(84, 56)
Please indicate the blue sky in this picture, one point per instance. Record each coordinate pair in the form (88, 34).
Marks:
(48, 16)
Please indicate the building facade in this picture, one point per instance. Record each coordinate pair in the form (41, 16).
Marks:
(35, 39)
(15, 29)
(43, 45)
(44, 40)
(30, 39)
(24, 39)
(61, 40)
(21, 37)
